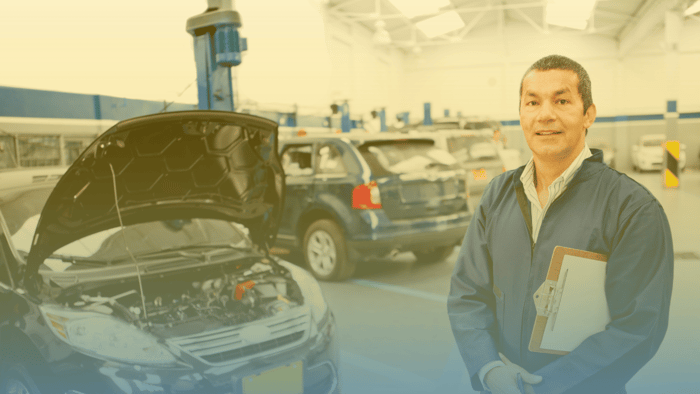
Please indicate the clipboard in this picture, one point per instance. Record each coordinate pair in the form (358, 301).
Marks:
(571, 303)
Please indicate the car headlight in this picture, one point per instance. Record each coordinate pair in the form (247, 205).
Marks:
(310, 289)
(104, 336)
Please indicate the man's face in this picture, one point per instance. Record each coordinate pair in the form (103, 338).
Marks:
(551, 114)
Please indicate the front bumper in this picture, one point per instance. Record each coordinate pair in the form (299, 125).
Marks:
(380, 235)
(317, 358)
(656, 166)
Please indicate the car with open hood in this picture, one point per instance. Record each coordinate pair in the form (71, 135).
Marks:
(145, 267)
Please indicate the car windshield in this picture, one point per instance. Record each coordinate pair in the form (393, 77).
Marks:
(21, 211)
(480, 125)
(405, 156)
(470, 148)
(654, 142)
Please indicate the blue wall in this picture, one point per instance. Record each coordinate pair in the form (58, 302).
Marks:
(32, 103)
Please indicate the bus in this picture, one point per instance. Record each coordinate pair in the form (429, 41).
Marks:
(46, 142)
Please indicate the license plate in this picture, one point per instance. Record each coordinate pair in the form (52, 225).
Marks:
(287, 379)
(480, 174)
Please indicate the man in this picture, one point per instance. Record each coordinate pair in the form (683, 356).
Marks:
(568, 197)
(374, 125)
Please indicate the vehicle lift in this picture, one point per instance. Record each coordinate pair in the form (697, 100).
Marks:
(217, 48)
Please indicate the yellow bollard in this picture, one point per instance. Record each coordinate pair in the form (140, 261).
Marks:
(672, 154)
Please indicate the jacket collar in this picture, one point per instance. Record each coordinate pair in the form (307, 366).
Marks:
(591, 166)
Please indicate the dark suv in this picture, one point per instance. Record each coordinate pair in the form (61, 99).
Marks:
(358, 196)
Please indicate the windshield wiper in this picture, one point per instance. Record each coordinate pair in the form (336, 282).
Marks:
(191, 251)
(77, 260)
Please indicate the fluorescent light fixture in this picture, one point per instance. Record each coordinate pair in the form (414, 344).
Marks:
(441, 24)
(570, 13)
(693, 9)
(413, 8)
(381, 35)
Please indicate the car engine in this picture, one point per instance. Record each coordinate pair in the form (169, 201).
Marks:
(210, 297)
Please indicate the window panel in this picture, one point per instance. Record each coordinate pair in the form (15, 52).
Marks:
(296, 160)
(37, 151)
(74, 147)
(8, 157)
(330, 161)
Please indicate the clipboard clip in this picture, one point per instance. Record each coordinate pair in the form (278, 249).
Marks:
(548, 297)
(545, 298)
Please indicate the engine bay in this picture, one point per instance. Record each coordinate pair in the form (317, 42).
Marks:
(178, 302)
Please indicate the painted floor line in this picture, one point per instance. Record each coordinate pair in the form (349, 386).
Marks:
(393, 373)
(401, 290)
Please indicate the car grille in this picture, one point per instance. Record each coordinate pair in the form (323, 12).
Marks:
(224, 345)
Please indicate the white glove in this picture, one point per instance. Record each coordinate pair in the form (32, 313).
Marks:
(504, 380)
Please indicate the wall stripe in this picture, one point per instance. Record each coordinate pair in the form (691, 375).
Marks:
(671, 106)
(620, 118)
(690, 115)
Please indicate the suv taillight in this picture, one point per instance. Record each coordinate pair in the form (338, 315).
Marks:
(366, 196)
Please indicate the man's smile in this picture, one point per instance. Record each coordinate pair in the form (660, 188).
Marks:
(548, 132)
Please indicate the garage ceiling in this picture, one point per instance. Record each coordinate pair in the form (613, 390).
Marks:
(625, 21)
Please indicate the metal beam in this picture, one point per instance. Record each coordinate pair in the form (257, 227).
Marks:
(530, 21)
(534, 4)
(650, 15)
(459, 10)
(342, 4)
(466, 29)
(613, 14)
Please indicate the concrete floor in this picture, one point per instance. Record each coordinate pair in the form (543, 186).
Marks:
(395, 336)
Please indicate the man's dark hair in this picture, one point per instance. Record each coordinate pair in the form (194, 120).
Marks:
(558, 62)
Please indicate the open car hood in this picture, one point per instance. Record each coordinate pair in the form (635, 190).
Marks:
(177, 165)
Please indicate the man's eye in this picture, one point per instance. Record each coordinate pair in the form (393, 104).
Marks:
(531, 103)
(563, 101)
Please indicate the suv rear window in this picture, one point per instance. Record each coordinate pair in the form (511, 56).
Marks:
(472, 148)
(404, 156)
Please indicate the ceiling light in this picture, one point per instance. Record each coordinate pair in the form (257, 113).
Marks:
(381, 36)
(693, 9)
(413, 8)
(441, 24)
(569, 13)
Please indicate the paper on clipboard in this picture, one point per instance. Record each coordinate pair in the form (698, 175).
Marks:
(571, 303)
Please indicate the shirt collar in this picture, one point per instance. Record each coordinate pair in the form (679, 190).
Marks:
(528, 175)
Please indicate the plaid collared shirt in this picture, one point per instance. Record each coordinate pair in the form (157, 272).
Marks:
(555, 189)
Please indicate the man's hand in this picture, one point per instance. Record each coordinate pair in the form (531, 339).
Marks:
(503, 380)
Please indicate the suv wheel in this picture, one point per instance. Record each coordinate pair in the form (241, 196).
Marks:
(326, 253)
(433, 255)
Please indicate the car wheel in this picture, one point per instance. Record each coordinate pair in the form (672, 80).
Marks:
(434, 255)
(326, 252)
(16, 380)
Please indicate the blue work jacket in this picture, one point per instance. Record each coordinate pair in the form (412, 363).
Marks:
(499, 268)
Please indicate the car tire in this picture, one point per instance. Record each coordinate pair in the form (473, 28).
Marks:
(16, 380)
(434, 255)
(326, 252)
